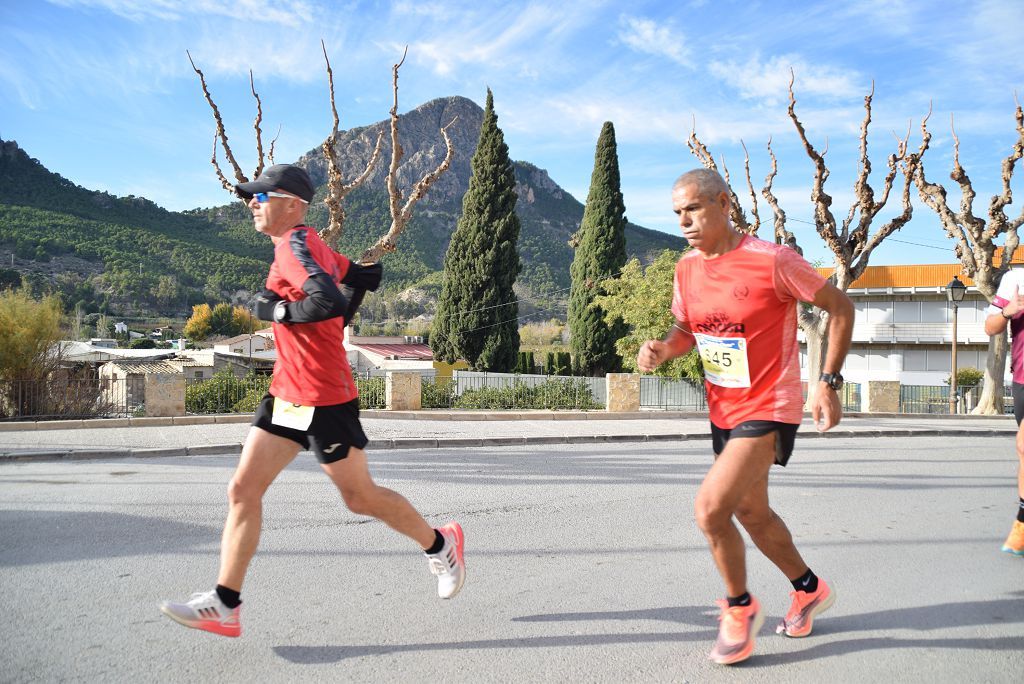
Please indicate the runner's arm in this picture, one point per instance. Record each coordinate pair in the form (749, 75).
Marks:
(653, 353)
(826, 409)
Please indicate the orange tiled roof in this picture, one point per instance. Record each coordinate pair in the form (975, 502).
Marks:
(925, 275)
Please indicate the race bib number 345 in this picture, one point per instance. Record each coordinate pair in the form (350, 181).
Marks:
(724, 360)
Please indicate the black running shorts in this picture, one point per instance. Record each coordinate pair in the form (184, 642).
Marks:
(784, 440)
(332, 431)
(1017, 391)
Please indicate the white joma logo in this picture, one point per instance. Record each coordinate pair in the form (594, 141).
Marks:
(330, 449)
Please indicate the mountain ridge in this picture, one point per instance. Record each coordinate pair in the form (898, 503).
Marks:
(168, 260)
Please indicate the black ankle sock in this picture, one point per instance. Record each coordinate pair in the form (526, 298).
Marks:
(438, 543)
(741, 600)
(806, 582)
(1020, 511)
(229, 597)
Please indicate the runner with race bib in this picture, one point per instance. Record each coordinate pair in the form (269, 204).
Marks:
(735, 298)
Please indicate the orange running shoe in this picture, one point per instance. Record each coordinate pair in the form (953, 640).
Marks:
(1015, 542)
(805, 607)
(736, 633)
(206, 612)
(449, 564)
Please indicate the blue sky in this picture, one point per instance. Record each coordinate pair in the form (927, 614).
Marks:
(101, 91)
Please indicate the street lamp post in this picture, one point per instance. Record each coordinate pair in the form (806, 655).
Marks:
(955, 292)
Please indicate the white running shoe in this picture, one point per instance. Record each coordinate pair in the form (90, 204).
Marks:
(448, 564)
(206, 611)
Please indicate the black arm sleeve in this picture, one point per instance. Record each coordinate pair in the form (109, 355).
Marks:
(323, 300)
(356, 282)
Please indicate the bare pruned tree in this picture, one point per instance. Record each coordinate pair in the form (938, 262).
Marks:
(401, 213)
(974, 238)
(337, 189)
(851, 240)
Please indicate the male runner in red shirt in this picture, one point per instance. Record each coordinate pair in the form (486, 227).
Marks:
(312, 291)
(736, 299)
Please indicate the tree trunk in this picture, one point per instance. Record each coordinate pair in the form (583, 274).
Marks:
(814, 323)
(991, 401)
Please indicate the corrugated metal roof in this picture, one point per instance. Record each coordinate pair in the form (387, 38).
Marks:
(143, 367)
(402, 351)
(923, 275)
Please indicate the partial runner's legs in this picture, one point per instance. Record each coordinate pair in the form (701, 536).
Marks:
(363, 496)
(742, 466)
(1015, 541)
(264, 456)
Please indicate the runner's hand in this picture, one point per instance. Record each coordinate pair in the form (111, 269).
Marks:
(826, 411)
(1015, 305)
(652, 354)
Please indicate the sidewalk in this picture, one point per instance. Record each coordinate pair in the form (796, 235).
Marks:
(224, 434)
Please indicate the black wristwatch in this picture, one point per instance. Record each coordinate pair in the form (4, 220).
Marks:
(833, 380)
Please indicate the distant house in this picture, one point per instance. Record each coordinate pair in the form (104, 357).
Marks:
(120, 328)
(103, 342)
(243, 344)
(370, 353)
(126, 380)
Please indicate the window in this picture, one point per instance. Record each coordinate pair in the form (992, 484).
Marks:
(940, 360)
(915, 359)
(856, 360)
(907, 312)
(198, 375)
(934, 311)
(879, 313)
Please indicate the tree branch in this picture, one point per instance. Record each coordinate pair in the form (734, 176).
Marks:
(825, 222)
(782, 236)
(336, 189)
(701, 152)
(750, 188)
(256, 125)
(221, 133)
(387, 242)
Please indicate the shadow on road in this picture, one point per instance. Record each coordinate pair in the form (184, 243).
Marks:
(31, 537)
(920, 618)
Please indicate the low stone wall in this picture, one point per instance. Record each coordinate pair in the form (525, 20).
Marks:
(623, 392)
(165, 395)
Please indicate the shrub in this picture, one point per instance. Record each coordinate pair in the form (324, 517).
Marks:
(371, 393)
(437, 393)
(569, 393)
(225, 393)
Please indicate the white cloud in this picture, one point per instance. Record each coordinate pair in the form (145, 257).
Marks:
(290, 14)
(768, 81)
(650, 37)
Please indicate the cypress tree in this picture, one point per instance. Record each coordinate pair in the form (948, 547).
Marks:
(601, 252)
(477, 311)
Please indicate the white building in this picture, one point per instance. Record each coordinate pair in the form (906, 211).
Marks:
(903, 328)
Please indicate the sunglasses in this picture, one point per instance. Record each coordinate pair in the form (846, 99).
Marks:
(264, 197)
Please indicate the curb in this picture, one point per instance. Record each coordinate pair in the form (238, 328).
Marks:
(475, 442)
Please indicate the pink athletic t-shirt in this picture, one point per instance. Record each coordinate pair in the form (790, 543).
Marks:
(742, 308)
(1008, 286)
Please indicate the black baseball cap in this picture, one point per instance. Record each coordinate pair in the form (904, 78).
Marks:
(286, 177)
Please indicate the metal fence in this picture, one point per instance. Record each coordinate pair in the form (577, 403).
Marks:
(657, 392)
(935, 399)
(472, 390)
(225, 393)
(60, 399)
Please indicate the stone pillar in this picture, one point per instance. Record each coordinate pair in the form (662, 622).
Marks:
(622, 392)
(165, 394)
(403, 391)
(880, 396)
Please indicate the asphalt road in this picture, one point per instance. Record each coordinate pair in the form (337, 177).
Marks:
(584, 565)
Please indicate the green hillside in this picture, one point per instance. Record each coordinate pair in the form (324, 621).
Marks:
(128, 255)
